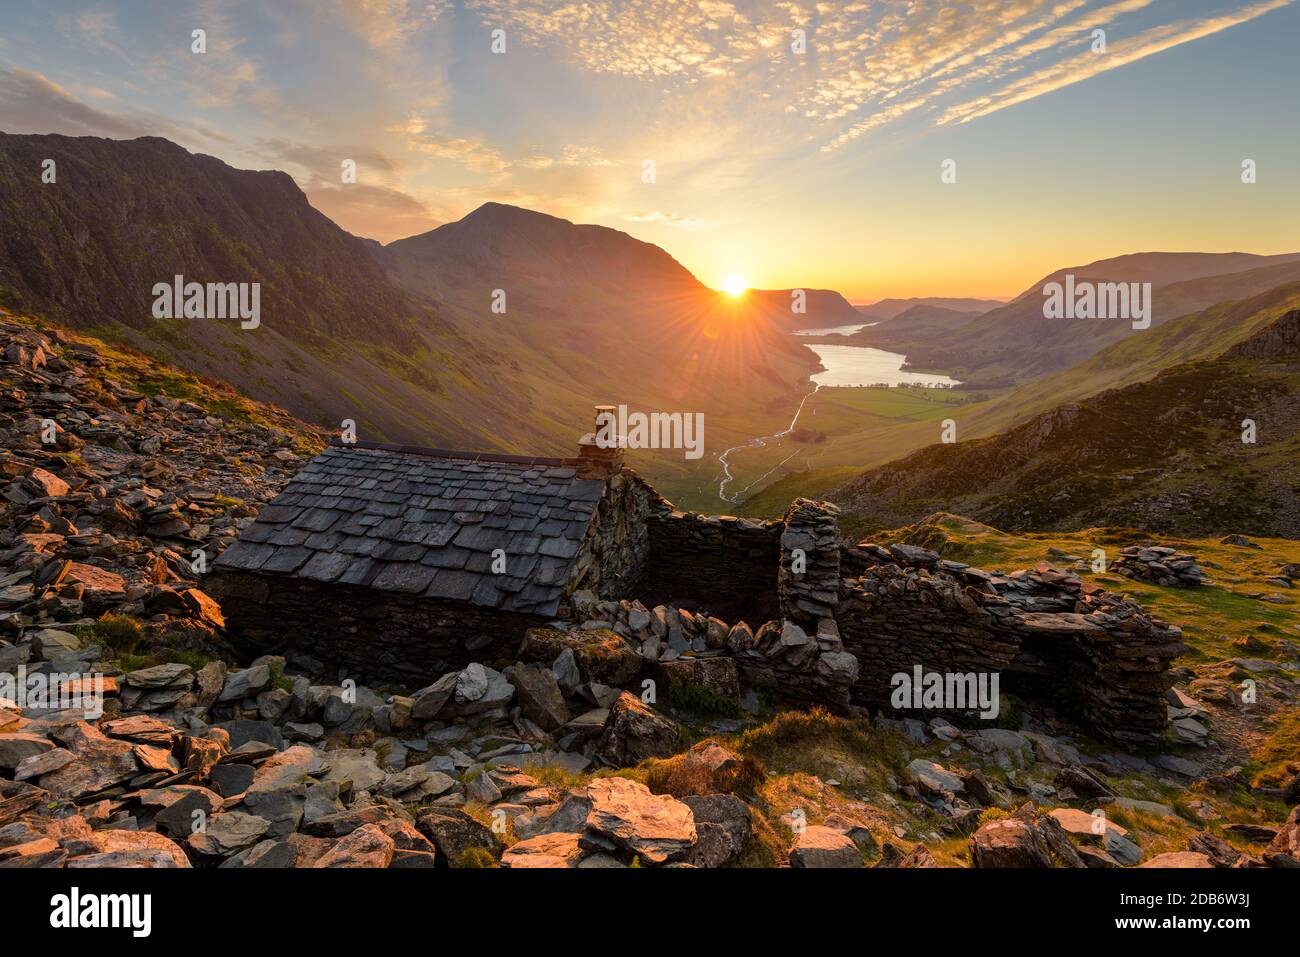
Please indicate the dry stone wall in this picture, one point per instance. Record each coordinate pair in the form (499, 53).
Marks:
(1107, 657)
(720, 556)
(377, 636)
(808, 583)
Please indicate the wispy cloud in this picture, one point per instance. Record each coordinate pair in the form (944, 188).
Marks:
(1086, 65)
(668, 219)
(388, 24)
(866, 65)
(31, 102)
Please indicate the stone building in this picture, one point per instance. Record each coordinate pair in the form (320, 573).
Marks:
(402, 563)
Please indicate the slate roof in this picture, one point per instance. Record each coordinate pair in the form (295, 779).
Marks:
(425, 522)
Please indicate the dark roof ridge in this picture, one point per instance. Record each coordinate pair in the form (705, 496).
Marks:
(453, 454)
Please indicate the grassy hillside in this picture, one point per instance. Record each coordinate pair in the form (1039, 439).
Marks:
(1166, 455)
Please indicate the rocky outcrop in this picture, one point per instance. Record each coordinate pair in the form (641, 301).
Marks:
(634, 731)
(1160, 565)
(817, 846)
(116, 500)
(1027, 838)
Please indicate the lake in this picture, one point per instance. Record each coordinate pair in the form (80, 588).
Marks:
(859, 366)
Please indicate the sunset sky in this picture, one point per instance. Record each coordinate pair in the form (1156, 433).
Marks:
(819, 169)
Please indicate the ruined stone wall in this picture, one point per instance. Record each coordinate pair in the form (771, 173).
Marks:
(614, 558)
(1105, 659)
(808, 583)
(374, 636)
(715, 556)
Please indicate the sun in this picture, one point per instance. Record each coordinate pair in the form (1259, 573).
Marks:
(735, 285)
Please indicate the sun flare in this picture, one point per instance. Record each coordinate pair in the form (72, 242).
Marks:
(735, 285)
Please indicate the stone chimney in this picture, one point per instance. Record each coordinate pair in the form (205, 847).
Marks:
(595, 461)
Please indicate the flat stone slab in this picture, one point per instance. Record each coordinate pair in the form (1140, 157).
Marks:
(655, 827)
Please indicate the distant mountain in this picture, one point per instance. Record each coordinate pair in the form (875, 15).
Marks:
(1166, 455)
(593, 315)
(1016, 342)
(886, 310)
(821, 307)
(920, 322)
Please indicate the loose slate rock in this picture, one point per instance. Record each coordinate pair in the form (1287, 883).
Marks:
(367, 846)
(821, 846)
(655, 827)
(634, 731)
(227, 833)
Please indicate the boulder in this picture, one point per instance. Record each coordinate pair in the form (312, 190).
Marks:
(538, 694)
(117, 848)
(1027, 838)
(367, 846)
(570, 815)
(429, 701)
(456, 835)
(478, 689)
(634, 731)
(1284, 849)
(17, 746)
(602, 655)
(225, 834)
(655, 827)
(723, 828)
(819, 846)
(719, 676)
(99, 763)
(354, 769)
(554, 849)
(245, 684)
(45, 484)
(1098, 829)
(934, 778)
(1179, 859)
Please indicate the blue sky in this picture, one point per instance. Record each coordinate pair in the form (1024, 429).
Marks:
(814, 168)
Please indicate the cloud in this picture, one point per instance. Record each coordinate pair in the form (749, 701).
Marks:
(319, 159)
(388, 24)
(867, 64)
(1088, 64)
(32, 103)
(376, 212)
(667, 219)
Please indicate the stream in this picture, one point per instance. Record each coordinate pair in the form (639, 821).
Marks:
(758, 443)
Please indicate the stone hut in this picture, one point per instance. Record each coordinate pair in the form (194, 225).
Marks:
(400, 563)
